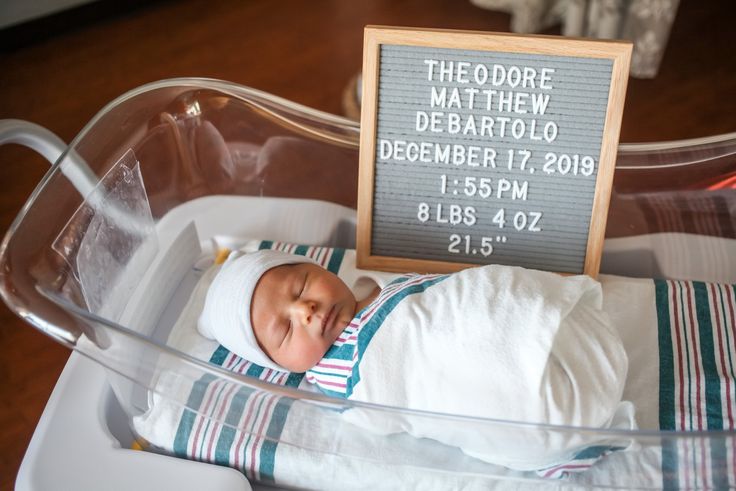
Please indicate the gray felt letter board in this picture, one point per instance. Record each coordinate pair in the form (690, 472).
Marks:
(502, 153)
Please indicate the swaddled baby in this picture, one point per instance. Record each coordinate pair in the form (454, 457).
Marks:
(493, 341)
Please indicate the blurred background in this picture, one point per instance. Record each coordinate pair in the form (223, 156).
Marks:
(63, 60)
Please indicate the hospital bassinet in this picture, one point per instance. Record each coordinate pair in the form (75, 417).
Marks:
(94, 261)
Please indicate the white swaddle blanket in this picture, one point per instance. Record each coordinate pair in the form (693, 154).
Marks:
(493, 342)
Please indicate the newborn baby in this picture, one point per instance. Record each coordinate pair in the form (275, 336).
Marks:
(493, 342)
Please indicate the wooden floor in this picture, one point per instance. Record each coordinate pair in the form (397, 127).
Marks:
(304, 51)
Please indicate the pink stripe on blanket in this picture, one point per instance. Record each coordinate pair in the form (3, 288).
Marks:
(223, 405)
(389, 291)
(675, 321)
(255, 461)
(559, 470)
(330, 365)
(249, 415)
(201, 420)
(696, 355)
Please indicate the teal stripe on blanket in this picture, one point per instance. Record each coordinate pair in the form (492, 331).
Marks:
(194, 403)
(210, 421)
(273, 434)
(666, 357)
(333, 266)
(219, 356)
(719, 462)
(346, 351)
(231, 430)
(294, 379)
(714, 415)
(666, 384)
(336, 260)
(254, 370)
(221, 353)
(265, 244)
(228, 434)
(369, 330)
(186, 423)
(232, 433)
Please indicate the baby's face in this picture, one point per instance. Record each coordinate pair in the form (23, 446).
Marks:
(298, 311)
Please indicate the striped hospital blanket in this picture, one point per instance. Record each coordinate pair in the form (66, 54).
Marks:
(229, 424)
(697, 352)
(338, 371)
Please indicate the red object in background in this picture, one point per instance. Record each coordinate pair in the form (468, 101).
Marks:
(727, 182)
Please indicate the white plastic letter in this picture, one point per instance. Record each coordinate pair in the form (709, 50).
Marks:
(514, 76)
(430, 72)
(546, 77)
(499, 75)
(539, 103)
(436, 119)
(385, 149)
(462, 72)
(550, 131)
(453, 123)
(438, 98)
(422, 121)
(480, 74)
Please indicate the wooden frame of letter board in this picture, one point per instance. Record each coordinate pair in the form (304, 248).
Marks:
(375, 36)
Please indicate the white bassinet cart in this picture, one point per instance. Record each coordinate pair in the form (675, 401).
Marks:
(104, 256)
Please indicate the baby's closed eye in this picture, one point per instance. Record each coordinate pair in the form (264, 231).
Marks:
(304, 285)
(285, 332)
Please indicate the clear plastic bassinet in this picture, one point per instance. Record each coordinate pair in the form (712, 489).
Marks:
(237, 162)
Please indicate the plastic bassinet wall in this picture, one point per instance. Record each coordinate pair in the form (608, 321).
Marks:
(171, 152)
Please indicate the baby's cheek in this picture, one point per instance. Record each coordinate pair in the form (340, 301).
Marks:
(322, 349)
(315, 356)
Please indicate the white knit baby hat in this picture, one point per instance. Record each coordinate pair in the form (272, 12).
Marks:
(226, 314)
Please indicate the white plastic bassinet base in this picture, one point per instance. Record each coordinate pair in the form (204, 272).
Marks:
(80, 443)
(82, 440)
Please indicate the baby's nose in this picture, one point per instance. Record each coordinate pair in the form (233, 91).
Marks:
(305, 310)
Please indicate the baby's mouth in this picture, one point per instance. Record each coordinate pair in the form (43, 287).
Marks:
(327, 320)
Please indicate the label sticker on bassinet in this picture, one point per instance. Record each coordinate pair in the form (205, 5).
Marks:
(482, 148)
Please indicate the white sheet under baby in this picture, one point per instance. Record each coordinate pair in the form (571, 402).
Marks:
(631, 305)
